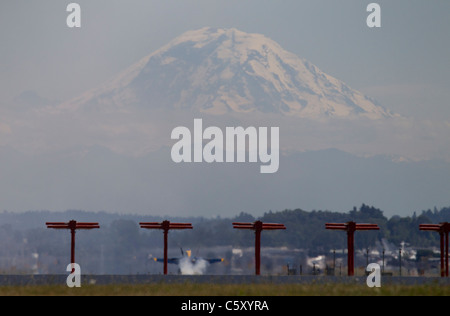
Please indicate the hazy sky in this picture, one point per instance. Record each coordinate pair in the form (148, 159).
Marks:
(404, 64)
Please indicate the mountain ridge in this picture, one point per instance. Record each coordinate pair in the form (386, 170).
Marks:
(99, 179)
(218, 71)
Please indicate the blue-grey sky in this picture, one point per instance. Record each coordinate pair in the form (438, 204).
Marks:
(403, 64)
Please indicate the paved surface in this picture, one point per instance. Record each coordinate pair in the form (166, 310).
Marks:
(223, 279)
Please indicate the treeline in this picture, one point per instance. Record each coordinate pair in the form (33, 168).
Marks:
(121, 246)
(305, 229)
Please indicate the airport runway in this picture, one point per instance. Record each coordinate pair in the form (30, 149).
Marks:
(22, 280)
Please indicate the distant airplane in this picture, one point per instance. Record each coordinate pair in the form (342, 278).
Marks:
(188, 254)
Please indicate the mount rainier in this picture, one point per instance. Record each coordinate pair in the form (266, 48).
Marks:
(218, 71)
(109, 148)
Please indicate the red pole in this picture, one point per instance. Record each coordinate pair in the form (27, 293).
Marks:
(442, 228)
(258, 229)
(72, 247)
(350, 228)
(351, 247)
(446, 253)
(350, 250)
(166, 233)
(165, 226)
(72, 226)
(441, 234)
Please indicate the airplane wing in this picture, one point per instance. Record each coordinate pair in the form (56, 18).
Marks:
(214, 260)
(169, 260)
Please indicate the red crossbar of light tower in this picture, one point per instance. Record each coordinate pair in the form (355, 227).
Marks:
(166, 226)
(73, 226)
(443, 229)
(351, 227)
(258, 227)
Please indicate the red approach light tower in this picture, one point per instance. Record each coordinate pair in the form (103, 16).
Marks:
(351, 227)
(443, 229)
(166, 226)
(73, 226)
(258, 227)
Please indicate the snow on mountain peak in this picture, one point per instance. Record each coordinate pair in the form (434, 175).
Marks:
(218, 71)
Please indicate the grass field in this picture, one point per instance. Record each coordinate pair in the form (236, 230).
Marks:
(192, 289)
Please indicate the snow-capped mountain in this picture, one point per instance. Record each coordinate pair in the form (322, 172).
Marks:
(219, 71)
